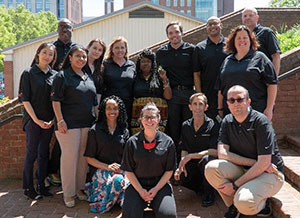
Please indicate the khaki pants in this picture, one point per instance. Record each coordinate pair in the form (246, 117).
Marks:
(73, 165)
(251, 197)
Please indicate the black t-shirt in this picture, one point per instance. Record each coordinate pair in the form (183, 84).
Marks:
(35, 87)
(105, 147)
(77, 97)
(268, 41)
(178, 64)
(254, 72)
(61, 49)
(208, 58)
(254, 136)
(149, 164)
(141, 88)
(205, 138)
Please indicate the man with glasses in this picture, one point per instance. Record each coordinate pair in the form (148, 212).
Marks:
(208, 58)
(249, 169)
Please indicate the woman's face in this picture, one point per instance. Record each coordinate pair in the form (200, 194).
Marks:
(119, 49)
(95, 51)
(78, 59)
(46, 55)
(242, 41)
(111, 110)
(150, 120)
(145, 65)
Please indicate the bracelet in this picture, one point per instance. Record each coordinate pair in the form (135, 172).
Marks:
(220, 109)
(62, 120)
(234, 186)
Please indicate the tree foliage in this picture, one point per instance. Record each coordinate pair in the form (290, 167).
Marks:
(19, 25)
(289, 39)
(285, 3)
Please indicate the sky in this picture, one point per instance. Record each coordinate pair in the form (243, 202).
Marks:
(95, 8)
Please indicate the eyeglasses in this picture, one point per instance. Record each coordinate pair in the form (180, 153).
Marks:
(213, 24)
(149, 118)
(238, 100)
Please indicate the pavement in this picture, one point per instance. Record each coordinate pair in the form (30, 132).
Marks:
(14, 204)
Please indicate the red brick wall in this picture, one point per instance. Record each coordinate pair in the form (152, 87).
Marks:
(8, 79)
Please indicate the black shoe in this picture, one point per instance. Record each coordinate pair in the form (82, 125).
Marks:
(208, 200)
(32, 194)
(42, 190)
(232, 212)
(267, 211)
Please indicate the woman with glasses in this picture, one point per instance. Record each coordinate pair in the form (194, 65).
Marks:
(149, 161)
(249, 68)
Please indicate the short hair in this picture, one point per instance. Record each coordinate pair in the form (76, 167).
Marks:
(151, 106)
(250, 9)
(213, 18)
(172, 23)
(241, 88)
(111, 45)
(230, 47)
(64, 20)
(199, 94)
(38, 51)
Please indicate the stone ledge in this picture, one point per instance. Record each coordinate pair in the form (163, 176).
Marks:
(293, 142)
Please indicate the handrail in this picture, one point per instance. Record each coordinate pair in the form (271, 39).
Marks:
(289, 73)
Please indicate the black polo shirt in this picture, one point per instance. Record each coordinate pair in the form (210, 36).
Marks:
(149, 164)
(178, 64)
(204, 138)
(35, 87)
(254, 72)
(77, 97)
(208, 58)
(61, 49)
(254, 136)
(96, 78)
(141, 88)
(105, 147)
(268, 41)
(119, 80)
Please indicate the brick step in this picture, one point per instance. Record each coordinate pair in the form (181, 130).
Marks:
(293, 142)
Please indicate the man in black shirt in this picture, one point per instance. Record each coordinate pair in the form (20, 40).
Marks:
(199, 145)
(268, 41)
(249, 169)
(176, 59)
(208, 58)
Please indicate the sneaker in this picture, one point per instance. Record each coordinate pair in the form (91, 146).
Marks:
(32, 194)
(81, 195)
(232, 212)
(54, 179)
(208, 200)
(42, 190)
(69, 202)
(267, 211)
(47, 184)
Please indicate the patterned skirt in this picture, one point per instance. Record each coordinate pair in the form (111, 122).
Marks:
(107, 189)
(137, 106)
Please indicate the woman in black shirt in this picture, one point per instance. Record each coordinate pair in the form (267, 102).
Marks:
(104, 151)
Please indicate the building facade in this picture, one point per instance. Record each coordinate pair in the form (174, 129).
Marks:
(71, 9)
(202, 9)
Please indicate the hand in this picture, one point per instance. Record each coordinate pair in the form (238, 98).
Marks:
(152, 192)
(184, 161)
(227, 189)
(163, 75)
(43, 124)
(114, 167)
(145, 195)
(271, 169)
(62, 127)
(269, 113)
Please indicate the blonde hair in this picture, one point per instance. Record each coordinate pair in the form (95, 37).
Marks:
(110, 54)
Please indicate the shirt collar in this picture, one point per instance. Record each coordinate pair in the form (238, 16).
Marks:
(36, 69)
(222, 39)
(248, 55)
(180, 47)
(141, 136)
(60, 43)
(248, 119)
(256, 28)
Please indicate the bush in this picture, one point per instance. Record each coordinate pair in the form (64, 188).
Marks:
(4, 100)
(289, 39)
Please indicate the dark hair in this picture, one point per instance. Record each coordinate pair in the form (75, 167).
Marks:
(172, 23)
(38, 51)
(122, 118)
(66, 63)
(230, 47)
(155, 79)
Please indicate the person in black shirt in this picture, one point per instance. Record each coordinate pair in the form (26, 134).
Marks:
(268, 41)
(104, 151)
(199, 145)
(74, 103)
(149, 161)
(208, 58)
(149, 86)
(249, 168)
(34, 92)
(176, 58)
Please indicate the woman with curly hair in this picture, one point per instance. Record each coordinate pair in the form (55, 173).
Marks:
(249, 68)
(150, 85)
(104, 151)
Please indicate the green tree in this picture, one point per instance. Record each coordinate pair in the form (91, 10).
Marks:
(289, 39)
(285, 3)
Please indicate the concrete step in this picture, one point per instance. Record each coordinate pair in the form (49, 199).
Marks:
(293, 142)
(291, 166)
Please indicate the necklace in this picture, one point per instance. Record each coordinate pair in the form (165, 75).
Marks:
(111, 130)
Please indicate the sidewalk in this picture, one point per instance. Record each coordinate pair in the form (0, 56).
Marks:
(14, 204)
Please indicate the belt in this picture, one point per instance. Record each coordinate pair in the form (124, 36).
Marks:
(180, 87)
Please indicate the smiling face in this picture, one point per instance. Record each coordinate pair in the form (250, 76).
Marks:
(78, 59)
(174, 35)
(95, 51)
(213, 27)
(46, 55)
(64, 30)
(250, 18)
(119, 50)
(150, 120)
(111, 110)
(242, 41)
(145, 65)
(198, 106)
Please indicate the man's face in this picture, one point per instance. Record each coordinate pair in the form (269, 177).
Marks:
(213, 27)
(250, 19)
(238, 103)
(198, 107)
(174, 34)
(65, 31)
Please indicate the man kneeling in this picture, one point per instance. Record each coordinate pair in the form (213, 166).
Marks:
(249, 169)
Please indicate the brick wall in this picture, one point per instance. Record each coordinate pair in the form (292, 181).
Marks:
(8, 78)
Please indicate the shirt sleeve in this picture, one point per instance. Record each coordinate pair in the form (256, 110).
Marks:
(91, 146)
(171, 161)
(25, 88)
(268, 75)
(128, 163)
(197, 60)
(265, 137)
(57, 92)
(223, 134)
(183, 138)
(272, 43)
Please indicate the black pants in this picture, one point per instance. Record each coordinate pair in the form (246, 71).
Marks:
(163, 204)
(54, 162)
(195, 179)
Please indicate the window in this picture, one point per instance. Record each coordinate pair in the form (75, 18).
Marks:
(189, 12)
(61, 9)
(155, 2)
(28, 5)
(182, 11)
(181, 3)
(10, 3)
(168, 3)
(19, 2)
(175, 3)
(189, 3)
(205, 8)
(47, 5)
(38, 6)
(1, 2)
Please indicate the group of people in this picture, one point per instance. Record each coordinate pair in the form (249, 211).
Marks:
(127, 129)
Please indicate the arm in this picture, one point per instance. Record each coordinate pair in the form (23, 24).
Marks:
(181, 167)
(276, 62)
(61, 124)
(115, 167)
(137, 186)
(166, 85)
(197, 81)
(220, 104)
(272, 93)
(163, 180)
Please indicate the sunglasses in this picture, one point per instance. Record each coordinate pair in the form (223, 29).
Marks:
(238, 100)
